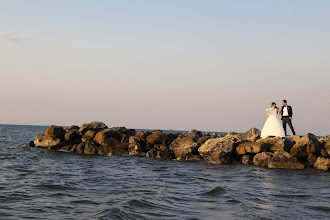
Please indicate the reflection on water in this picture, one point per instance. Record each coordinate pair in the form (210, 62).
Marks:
(42, 184)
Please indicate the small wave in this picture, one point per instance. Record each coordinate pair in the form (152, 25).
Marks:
(292, 196)
(85, 201)
(217, 191)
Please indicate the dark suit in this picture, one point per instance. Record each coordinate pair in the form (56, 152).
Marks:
(287, 119)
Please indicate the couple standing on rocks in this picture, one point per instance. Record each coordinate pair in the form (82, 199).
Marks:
(273, 126)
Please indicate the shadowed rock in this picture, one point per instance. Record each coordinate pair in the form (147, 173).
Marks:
(218, 150)
(89, 135)
(55, 132)
(156, 137)
(247, 159)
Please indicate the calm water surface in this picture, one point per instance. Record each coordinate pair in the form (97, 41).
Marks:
(42, 184)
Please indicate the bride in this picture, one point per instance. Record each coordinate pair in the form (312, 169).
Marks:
(273, 125)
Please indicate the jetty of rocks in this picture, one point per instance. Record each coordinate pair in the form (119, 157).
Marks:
(292, 152)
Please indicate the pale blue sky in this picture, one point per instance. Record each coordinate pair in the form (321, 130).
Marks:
(209, 65)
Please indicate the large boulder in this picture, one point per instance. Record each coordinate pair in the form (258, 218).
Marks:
(284, 160)
(163, 152)
(46, 141)
(251, 135)
(136, 145)
(327, 146)
(322, 163)
(183, 147)
(262, 159)
(55, 132)
(251, 148)
(247, 159)
(169, 137)
(306, 145)
(95, 126)
(91, 147)
(218, 150)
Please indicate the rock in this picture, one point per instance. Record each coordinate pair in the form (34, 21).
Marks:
(251, 148)
(131, 132)
(66, 148)
(89, 135)
(262, 159)
(163, 152)
(247, 159)
(202, 140)
(91, 148)
(109, 144)
(169, 137)
(324, 152)
(135, 145)
(322, 163)
(55, 132)
(218, 150)
(233, 135)
(327, 146)
(277, 144)
(156, 138)
(73, 127)
(284, 160)
(251, 135)
(73, 148)
(124, 138)
(184, 146)
(95, 126)
(121, 130)
(195, 134)
(151, 153)
(45, 141)
(72, 136)
(29, 144)
(214, 135)
(80, 148)
(311, 158)
(306, 145)
(143, 135)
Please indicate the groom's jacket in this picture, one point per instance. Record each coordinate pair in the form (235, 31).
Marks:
(289, 110)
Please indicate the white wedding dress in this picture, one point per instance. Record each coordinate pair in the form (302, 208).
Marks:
(273, 125)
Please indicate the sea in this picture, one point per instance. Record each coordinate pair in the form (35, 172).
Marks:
(44, 184)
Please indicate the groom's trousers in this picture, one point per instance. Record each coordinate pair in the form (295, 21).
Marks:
(287, 120)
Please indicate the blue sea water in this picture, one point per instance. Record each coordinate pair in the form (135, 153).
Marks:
(43, 184)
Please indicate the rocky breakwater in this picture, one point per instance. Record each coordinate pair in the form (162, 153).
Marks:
(293, 152)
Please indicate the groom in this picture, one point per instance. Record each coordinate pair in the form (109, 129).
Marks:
(286, 113)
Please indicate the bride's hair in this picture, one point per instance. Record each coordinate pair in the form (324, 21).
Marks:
(273, 103)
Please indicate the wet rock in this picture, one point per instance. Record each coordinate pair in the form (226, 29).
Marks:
(89, 135)
(251, 148)
(55, 132)
(306, 145)
(183, 146)
(262, 159)
(45, 141)
(218, 150)
(251, 135)
(284, 160)
(247, 159)
(156, 137)
(322, 163)
(94, 126)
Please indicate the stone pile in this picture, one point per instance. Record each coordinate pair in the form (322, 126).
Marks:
(293, 152)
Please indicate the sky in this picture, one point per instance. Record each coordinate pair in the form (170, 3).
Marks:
(175, 64)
